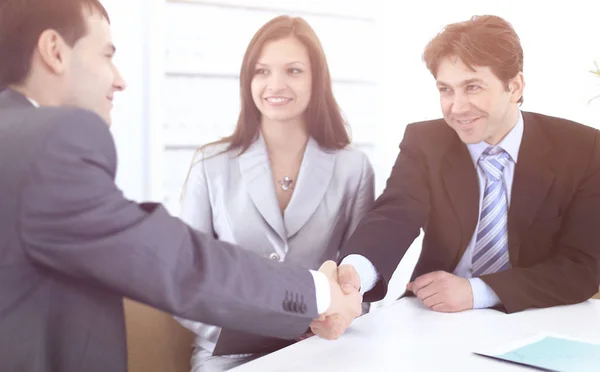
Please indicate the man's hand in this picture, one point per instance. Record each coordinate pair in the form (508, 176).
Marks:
(347, 275)
(345, 305)
(442, 291)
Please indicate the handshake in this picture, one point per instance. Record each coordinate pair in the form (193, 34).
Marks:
(346, 300)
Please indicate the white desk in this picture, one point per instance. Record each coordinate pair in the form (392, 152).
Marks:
(405, 336)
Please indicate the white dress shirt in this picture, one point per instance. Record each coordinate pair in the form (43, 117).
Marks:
(483, 295)
(322, 291)
(33, 102)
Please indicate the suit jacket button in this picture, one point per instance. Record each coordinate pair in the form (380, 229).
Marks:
(303, 309)
(274, 256)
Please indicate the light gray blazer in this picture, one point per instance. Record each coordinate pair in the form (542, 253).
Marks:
(234, 198)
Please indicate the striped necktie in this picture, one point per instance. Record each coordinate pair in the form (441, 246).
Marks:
(491, 247)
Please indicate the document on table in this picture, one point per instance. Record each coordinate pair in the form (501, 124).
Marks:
(550, 352)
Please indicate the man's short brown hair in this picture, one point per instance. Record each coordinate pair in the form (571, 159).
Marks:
(481, 41)
(23, 21)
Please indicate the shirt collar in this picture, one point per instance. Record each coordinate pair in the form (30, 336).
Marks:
(510, 143)
(33, 102)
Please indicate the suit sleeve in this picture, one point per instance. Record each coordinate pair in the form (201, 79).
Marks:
(572, 274)
(384, 235)
(75, 222)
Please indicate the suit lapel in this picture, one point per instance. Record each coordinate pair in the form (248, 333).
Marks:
(313, 180)
(532, 180)
(462, 187)
(257, 176)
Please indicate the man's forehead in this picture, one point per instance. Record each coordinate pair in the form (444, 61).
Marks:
(98, 27)
(460, 71)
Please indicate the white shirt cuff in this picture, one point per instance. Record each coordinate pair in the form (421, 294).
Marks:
(483, 295)
(367, 272)
(322, 291)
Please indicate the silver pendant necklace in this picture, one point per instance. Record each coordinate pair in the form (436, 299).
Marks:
(286, 183)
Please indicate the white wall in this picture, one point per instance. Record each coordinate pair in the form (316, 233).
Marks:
(135, 113)
(181, 61)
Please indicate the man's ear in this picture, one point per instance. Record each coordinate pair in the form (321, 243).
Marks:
(516, 86)
(53, 51)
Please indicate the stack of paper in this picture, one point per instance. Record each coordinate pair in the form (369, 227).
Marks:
(551, 353)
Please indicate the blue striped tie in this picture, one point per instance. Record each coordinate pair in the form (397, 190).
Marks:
(491, 247)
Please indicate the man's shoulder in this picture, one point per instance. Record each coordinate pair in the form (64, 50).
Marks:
(45, 120)
(558, 123)
(430, 124)
(69, 124)
(38, 128)
(436, 128)
(562, 131)
(430, 135)
(51, 132)
(69, 117)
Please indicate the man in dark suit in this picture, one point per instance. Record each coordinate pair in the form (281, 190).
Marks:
(509, 201)
(70, 244)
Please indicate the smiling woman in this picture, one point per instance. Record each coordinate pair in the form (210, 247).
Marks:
(286, 184)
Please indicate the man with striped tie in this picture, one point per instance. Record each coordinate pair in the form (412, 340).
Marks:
(509, 200)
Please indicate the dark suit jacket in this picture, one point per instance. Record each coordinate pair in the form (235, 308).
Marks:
(71, 246)
(553, 222)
